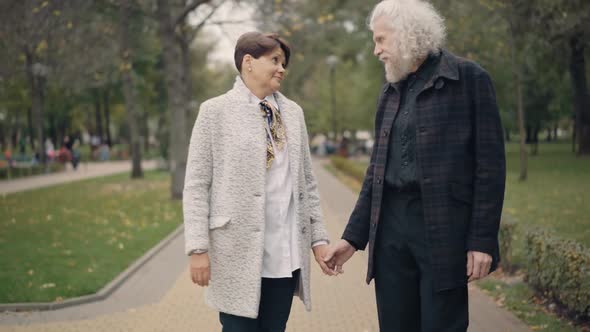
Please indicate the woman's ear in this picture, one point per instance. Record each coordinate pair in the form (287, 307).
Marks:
(247, 63)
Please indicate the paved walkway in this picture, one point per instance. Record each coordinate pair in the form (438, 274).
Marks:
(160, 297)
(84, 171)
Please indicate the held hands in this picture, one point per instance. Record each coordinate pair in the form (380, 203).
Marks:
(338, 254)
(319, 253)
(199, 269)
(478, 265)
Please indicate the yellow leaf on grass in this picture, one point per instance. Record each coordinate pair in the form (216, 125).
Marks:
(47, 285)
(31, 272)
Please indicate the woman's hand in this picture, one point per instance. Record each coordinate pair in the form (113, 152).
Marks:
(320, 252)
(199, 269)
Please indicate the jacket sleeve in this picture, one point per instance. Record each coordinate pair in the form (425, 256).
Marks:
(490, 168)
(318, 229)
(199, 172)
(358, 227)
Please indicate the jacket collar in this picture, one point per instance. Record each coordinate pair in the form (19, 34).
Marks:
(245, 95)
(447, 68)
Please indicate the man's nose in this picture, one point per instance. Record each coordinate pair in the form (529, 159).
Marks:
(377, 50)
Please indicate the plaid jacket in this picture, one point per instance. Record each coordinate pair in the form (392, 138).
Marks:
(461, 168)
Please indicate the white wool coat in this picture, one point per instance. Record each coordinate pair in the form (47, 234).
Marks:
(224, 196)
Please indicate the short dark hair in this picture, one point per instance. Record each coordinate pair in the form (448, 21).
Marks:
(257, 44)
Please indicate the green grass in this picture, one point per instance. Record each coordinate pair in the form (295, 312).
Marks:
(556, 195)
(520, 299)
(71, 240)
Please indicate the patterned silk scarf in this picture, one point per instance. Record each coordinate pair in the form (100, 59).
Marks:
(277, 130)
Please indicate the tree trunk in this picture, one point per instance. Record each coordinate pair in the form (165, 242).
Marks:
(36, 72)
(2, 136)
(581, 98)
(107, 116)
(507, 135)
(130, 93)
(529, 134)
(30, 130)
(549, 134)
(535, 140)
(187, 81)
(145, 132)
(520, 106)
(53, 131)
(16, 132)
(177, 107)
(98, 114)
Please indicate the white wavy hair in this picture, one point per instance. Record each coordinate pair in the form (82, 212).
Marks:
(419, 29)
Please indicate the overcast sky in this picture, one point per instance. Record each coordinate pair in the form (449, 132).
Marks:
(226, 34)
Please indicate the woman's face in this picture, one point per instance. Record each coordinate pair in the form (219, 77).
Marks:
(268, 70)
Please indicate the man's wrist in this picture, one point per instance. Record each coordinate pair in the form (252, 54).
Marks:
(352, 244)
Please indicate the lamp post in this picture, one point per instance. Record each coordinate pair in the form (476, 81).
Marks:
(332, 60)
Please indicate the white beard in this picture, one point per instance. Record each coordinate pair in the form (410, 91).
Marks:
(398, 68)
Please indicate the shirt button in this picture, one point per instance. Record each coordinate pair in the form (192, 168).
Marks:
(406, 113)
(411, 90)
(405, 163)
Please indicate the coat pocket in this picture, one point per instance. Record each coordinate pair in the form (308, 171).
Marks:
(218, 221)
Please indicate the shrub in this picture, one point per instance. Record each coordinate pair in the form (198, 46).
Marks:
(560, 269)
(348, 167)
(19, 172)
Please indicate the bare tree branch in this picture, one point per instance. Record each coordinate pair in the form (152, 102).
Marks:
(213, 10)
(189, 8)
(223, 22)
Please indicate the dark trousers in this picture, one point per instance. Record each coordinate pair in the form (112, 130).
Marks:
(406, 300)
(275, 306)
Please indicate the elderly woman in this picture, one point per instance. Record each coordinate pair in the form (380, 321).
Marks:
(251, 204)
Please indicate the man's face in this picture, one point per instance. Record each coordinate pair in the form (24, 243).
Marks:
(396, 67)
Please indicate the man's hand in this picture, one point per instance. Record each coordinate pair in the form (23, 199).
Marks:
(320, 252)
(199, 269)
(478, 265)
(337, 254)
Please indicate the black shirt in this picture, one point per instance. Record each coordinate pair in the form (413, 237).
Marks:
(401, 169)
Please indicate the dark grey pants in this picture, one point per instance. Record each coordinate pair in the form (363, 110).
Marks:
(275, 306)
(406, 300)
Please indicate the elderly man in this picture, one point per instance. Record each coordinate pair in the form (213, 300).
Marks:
(432, 196)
